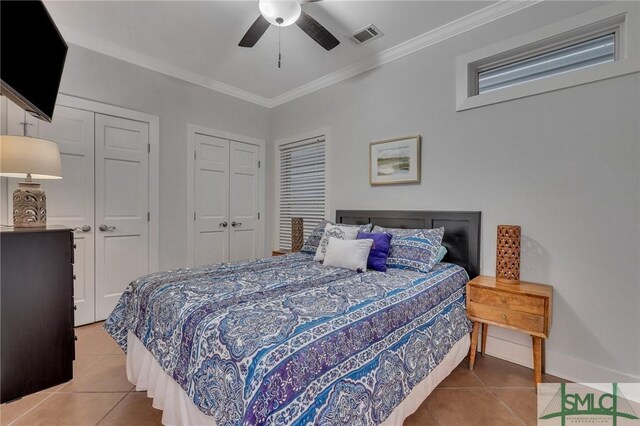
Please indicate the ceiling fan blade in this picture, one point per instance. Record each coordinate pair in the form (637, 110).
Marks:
(255, 32)
(316, 31)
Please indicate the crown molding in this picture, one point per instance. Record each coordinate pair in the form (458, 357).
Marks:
(128, 55)
(459, 26)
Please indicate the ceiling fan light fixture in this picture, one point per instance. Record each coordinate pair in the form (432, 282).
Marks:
(280, 12)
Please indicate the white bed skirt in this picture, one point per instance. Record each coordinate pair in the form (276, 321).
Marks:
(177, 409)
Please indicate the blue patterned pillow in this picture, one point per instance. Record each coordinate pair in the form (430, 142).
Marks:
(313, 241)
(417, 252)
(398, 232)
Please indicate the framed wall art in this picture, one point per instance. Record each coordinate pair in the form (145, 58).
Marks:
(395, 161)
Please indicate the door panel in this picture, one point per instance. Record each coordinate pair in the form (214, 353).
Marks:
(211, 200)
(244, 199)
(70, 201)
(122, 194)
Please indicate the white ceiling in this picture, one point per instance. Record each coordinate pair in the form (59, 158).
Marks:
(199, 39)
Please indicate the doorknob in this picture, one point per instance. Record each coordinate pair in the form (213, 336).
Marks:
(105, 228)
(223, 224)
(84, 228)
(234, 223)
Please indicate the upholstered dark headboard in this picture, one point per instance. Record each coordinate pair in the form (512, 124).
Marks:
(461, 230)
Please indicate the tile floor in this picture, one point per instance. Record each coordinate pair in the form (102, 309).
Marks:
(495, 393)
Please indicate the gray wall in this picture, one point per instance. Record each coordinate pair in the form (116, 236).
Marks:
(563, 165)
(91, 75)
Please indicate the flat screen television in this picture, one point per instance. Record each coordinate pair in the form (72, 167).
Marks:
(32, 55)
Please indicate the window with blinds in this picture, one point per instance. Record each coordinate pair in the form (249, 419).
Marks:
(579, 55)
(302, 186)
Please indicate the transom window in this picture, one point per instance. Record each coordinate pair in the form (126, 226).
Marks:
(597, 44)
(576, 56)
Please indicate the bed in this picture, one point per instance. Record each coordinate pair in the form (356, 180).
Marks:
(285, 340)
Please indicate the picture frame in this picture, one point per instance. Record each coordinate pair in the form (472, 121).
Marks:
(395, 161)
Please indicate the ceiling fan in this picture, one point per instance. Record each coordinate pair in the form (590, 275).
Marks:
(282, 13)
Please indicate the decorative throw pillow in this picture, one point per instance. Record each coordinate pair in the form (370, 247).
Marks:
(416, 252)
(313, 241)
(311, 245)
(336, 231)
(398, 232)
(442, 252)
(379, 250)
(349, 254)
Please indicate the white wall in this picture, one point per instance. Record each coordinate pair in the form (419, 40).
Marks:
(564, 165)
(94, 76)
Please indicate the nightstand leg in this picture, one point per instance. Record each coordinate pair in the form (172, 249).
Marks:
(544, 356)
(485, 332)
(474, 344)
(537, 359)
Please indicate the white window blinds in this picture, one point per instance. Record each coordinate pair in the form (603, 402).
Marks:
(302, 186)
(580, 55)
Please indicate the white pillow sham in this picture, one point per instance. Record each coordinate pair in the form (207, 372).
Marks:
(349, 254)
(334, 231)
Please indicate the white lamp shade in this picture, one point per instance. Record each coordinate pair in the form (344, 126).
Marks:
(21, 155)
(288, 10)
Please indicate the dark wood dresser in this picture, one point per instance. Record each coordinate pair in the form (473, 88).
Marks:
(36, 310)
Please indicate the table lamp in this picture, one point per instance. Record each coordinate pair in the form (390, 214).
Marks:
(297, 233)
(29, 158)
(508, 254)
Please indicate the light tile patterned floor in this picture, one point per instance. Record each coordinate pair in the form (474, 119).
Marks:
(495, 393)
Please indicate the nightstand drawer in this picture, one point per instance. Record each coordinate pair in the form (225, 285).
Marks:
(520, 320)
(500, 299)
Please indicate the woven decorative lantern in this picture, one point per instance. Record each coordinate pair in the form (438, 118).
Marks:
(508, 254)
(297, 233)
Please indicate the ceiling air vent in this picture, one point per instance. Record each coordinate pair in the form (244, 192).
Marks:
(366, 34)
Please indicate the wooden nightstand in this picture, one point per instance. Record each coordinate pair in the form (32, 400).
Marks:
(280, 252)
(524, 307)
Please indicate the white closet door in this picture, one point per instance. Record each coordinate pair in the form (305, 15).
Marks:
(244, 200)
(122, 197)
(70, 200)
(211, 200)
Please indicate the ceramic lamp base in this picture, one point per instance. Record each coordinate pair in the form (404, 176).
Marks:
(29, 206)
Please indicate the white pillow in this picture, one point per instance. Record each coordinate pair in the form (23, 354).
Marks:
(334, 231)
(349, 254)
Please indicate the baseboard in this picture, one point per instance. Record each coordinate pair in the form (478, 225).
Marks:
(558, 364)
(580, 371)
(510, 351)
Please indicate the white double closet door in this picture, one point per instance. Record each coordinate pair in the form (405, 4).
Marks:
(103, 195)
(226, 200)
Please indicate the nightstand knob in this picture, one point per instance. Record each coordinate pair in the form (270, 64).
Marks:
(503, 299)
(504, 316)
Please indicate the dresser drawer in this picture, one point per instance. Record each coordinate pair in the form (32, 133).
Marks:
(516, 302)
(520, 320)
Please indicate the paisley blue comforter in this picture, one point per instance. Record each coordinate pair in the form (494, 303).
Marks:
(285, 340)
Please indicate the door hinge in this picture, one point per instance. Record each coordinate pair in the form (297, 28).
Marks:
(258, 215)
(148, 148)
(194, 155)
(148, 216)
(194, 215)
(259, 163)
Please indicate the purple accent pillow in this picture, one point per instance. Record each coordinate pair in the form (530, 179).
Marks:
(379, 250)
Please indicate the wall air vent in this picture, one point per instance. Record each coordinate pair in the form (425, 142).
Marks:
(366, 34)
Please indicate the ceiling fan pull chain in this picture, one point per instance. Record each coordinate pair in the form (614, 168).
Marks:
(279, 54)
